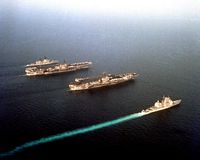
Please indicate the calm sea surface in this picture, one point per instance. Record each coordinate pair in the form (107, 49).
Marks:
(165, 52)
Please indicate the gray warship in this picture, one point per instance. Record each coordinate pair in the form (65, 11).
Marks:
(43, 62)
(100, 81)
(48, 67)
(165, 103)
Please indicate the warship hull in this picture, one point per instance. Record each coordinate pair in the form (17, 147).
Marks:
(93, 84)
(57, 69)
(155, 109)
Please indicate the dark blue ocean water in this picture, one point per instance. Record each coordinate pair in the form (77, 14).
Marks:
(164, 51)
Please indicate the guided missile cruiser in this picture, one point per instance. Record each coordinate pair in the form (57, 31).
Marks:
(165, 103)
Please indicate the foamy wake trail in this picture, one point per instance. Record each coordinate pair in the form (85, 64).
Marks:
(71, 133)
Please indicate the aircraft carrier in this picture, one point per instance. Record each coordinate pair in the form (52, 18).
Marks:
(48, 67)
(102, 80)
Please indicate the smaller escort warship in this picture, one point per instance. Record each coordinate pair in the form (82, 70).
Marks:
(43, 62)
(165, 103)
(100, 81)
(54, 68)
